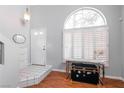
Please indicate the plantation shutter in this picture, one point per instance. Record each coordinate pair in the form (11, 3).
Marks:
(86, 44)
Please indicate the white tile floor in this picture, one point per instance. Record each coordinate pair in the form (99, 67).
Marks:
(33, 75)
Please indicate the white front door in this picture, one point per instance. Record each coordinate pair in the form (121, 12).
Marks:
(38, 46)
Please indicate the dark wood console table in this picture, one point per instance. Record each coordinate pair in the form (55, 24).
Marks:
(100, 68)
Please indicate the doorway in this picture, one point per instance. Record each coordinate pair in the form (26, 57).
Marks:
(38, 46)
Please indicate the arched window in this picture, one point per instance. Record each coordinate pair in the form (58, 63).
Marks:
(85, 36)
(85, 17)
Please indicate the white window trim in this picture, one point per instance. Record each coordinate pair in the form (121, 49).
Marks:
(93, 28)
(86, 8)
(105, 26)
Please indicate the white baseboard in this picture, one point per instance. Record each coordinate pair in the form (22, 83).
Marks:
(111, 77)
(115, 77)
(59, 70)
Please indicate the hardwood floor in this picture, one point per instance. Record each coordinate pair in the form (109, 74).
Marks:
(58, 80)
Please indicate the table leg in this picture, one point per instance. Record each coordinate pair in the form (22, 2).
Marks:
(67, 69)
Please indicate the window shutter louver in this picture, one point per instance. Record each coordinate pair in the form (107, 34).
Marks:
(86, 44)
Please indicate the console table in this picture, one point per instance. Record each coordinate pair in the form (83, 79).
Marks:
(100, 67)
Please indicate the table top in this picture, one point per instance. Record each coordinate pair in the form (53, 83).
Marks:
(102, 62)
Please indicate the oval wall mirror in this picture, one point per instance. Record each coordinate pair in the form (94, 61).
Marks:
(18, 38)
